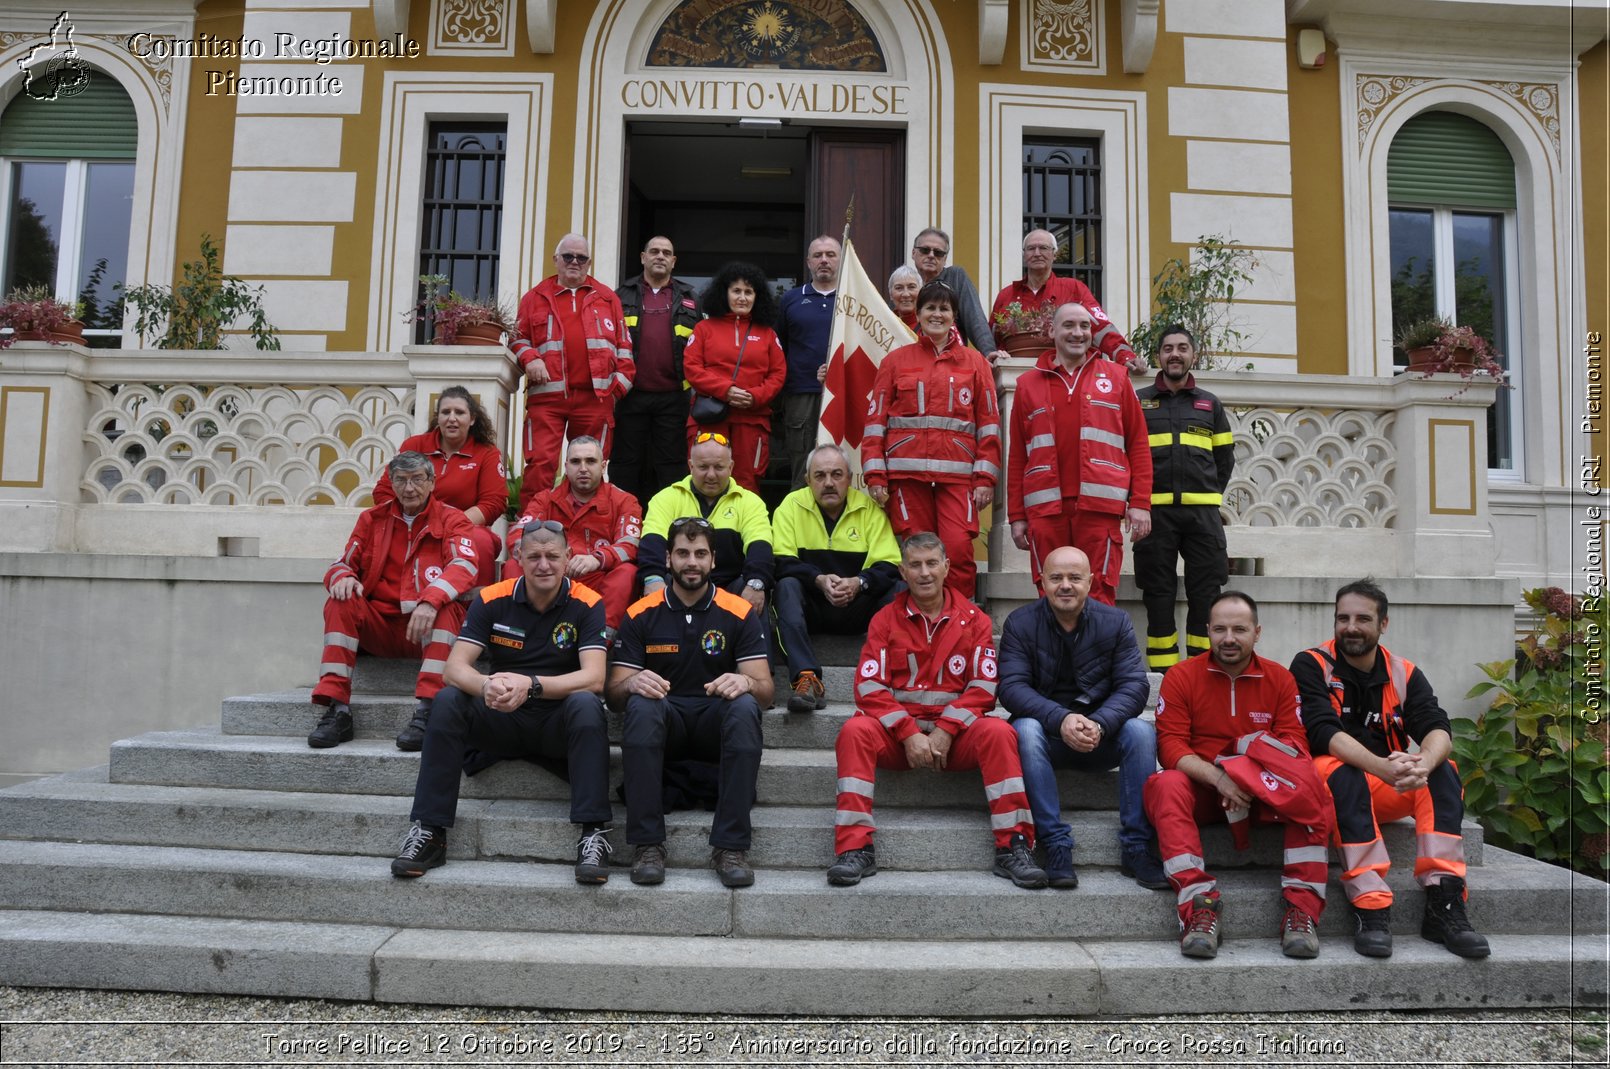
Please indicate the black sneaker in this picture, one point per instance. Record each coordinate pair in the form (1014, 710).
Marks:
(424, 847)
(1373, 936)
(1059, 867)
(851, 866)
(648, 866)
(1139, 865)
(1015, 862)
(335, 727)
(1446, 922)
(592, 856)
(732, 866)
(412, 737)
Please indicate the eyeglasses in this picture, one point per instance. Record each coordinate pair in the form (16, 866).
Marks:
(574, 257)
(542, 525)
(929, 250)
(1039, 248)
(712, 436)
(413, 480)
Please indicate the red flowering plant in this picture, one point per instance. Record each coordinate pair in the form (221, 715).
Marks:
(33, 310)
(1534, 764)
(1015, 319)
(450, 312)
(1435, 345)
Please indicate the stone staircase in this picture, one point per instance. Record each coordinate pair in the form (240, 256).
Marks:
(235, 859)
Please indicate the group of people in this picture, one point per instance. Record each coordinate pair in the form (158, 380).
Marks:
(671, 614)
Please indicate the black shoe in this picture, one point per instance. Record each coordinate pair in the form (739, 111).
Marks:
(1373, 935)
(592, 856)
(648, 867)
(1446, 923)
(412, 737)
(1139, 865)
(851, 866)
(1059, 867)
(424, 847)
(808, 695)
(1015, 862)
(335, 727)
(732, 866)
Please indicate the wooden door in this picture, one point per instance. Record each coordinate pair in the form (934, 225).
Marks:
(871, 165)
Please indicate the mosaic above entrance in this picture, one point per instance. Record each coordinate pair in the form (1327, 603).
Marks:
(785, 34)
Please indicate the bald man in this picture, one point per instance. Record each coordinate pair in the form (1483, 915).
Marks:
(1072, 679)
(1040, 289)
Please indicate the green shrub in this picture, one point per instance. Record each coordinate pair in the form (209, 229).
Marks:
(1534, 763)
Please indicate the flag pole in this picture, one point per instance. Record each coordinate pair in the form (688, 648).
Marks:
(849, 213)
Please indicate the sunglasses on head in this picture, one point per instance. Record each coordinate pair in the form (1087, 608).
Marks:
(712, 436)
(697, 522)
(542, 525)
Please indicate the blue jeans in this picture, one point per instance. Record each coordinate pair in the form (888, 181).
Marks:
(1133, 751)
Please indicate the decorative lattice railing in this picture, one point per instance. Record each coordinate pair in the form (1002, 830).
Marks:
(1312, 467)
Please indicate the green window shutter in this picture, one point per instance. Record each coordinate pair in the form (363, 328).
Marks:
(1450, 160)
(96, 124)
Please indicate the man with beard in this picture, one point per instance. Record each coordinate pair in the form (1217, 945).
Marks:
(690, 669)
(545, 638)
(925, 698)
(1364, 706)
(740, 534)
(804, 327)
(1193, 454)
(1214, 709)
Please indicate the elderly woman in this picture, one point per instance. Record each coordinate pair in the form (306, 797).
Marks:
(469, 471)
(904, 285)
(932, 447)
(735, 357)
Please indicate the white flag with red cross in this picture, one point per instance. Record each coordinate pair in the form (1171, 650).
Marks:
(865, 329)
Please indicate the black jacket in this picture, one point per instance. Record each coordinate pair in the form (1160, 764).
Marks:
(1193, 452)
(685, 314)
(1106, 669)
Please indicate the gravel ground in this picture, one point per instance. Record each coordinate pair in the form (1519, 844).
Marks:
(40, 1026)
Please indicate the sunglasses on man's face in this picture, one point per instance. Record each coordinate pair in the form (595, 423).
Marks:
(929, 250)
(574, 257)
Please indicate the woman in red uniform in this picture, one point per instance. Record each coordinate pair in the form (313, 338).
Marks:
(931, 450)
(469, 471)
(741, 308)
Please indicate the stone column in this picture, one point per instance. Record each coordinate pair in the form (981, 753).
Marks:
(1440, 434)
(42, 413)
(489, 372)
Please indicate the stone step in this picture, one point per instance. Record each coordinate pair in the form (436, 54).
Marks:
(377, 716)
(84, 807)
(506, 896)
(686, 974)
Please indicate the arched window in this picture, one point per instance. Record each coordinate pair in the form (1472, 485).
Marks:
(1451, 194)
(66, 198)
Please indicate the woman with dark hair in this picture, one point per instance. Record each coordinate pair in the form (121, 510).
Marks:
(469, 471)
(932, 447)
(735, 357)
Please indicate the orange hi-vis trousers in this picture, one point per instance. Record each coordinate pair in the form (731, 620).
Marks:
(1363, 801)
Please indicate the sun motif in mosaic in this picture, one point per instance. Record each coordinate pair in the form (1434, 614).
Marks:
(807, 35)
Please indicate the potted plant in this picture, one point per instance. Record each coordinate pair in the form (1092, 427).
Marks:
(1198, 293)
(196, 313)
(32, 313)
(460, 320)
(1435, 346)
(1022, 331)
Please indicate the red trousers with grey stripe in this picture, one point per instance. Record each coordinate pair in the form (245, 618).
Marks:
(1178, 806)
(988, 744)
(1098, 534)
(358, 624)
(1363, 801)
(947, 510)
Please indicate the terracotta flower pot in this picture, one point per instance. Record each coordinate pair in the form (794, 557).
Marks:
(1030, 345)
(472, 334)
(71, 332)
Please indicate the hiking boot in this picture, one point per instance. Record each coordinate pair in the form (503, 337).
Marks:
(335, 727)
(648, 866)
(732, 866)
(1446, 923)
(1373, 935)
(412, 737)
(1059, 867)
(809, 694)
(592, 856)
(1199, 933)
(423, 847)
(1299, 934)
(850, 866)
(1015, 862)
(1139, 865)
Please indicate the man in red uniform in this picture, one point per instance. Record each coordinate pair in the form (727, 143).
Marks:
(577, 356)
(1040, 289)
(1080, 464)
(394, 593)
(1365, 707)
(602, 526)
(925, 698)
(1211, 708)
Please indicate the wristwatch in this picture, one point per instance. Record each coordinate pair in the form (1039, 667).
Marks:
(755, 584)
(536, 688)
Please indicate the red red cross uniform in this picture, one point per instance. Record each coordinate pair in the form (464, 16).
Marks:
(921, 676)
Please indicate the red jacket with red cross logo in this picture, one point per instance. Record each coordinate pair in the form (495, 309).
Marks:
(916, 675)
(933, 417)
(608, 527)
(609, 344)
(440, 560)
(1201, 710)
